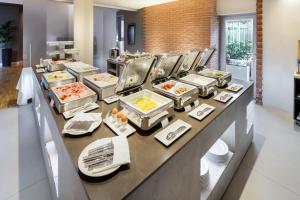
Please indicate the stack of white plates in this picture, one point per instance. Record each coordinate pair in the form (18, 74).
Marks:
(218, 152)
(204, 173)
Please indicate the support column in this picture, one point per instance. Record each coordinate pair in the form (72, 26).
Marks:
(84, 29)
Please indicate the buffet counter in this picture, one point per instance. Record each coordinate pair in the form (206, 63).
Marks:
(155, 171)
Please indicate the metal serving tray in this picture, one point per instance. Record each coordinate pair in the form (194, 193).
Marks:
(180, 100)
(59, 82)
(56, 65)
(75, 69)
(70, 105)
(102, 88)
(205, 85)
(147, 120)
(222, 80)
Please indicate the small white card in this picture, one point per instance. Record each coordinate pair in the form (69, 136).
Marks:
(188, 108)
(40, 70)
(223, 97)
(235, 87)
(170, 134)
(196, 103)
(202, 111)
(88, 107)
(165, 122)
(52, 103)
(118, 130)
(111, 99)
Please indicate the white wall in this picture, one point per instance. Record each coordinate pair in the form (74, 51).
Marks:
(59, 21)
(84, 29)
(105, 33)
(34, 31)
(231, 7)
(281, 35)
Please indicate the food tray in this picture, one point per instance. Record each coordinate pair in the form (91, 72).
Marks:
(147, 119)
(77, 101)
(180, 100)
(80, 70)
(222, 77)
(57, 78)
(103, 84)
(205, 85)
(56, 65)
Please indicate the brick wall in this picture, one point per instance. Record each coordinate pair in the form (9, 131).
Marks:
(259, 51)
(181, 26)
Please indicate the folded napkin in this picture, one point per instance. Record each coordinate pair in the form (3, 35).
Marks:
(121, 154)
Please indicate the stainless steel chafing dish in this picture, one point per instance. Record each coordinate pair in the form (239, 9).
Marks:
(205, 85)
(182, 94)
(78, 100)
(56, 65)
(57, 78)
(133, 79)
(186, 74)
(80, 70)
(222, 77)
(103, 84)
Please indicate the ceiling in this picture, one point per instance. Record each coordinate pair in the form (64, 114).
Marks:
(129, 4)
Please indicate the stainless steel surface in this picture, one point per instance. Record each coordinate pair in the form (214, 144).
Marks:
(63, 107)
(165, 66)
(180, 100)
(189, 61)
(51, 67)
(147, 119)
(222, 81)
(57, 83)
(102, 91)
(135, 73)
(80, 75)
(206, 87)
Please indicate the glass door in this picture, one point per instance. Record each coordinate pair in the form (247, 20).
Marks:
(238, 46)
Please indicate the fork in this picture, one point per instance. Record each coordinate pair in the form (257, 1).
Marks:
(172, 135)
(201, 112)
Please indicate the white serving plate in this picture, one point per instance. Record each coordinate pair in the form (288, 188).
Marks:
(129, 130)
(235, 87)
(194, 112)
(96, 117)
(81, 166)
(161, 136)
(218, 152)
(224, 100)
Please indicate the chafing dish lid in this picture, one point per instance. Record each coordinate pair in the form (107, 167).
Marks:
(188, 62)
(135, 73)
(205, 58)
(165, 65)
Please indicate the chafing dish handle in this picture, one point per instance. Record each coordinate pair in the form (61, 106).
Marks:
(210, 90)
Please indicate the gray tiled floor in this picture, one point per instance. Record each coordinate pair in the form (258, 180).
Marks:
(270, 170)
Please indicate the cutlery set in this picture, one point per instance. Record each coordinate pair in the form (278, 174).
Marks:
(99, 157)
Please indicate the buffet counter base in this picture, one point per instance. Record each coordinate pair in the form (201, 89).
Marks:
(155, 171)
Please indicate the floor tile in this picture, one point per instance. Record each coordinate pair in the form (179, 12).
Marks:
(38, 191)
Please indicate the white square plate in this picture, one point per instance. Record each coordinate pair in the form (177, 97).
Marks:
(202, 111)
(223, 97)
(235, 87)
(162, 135)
